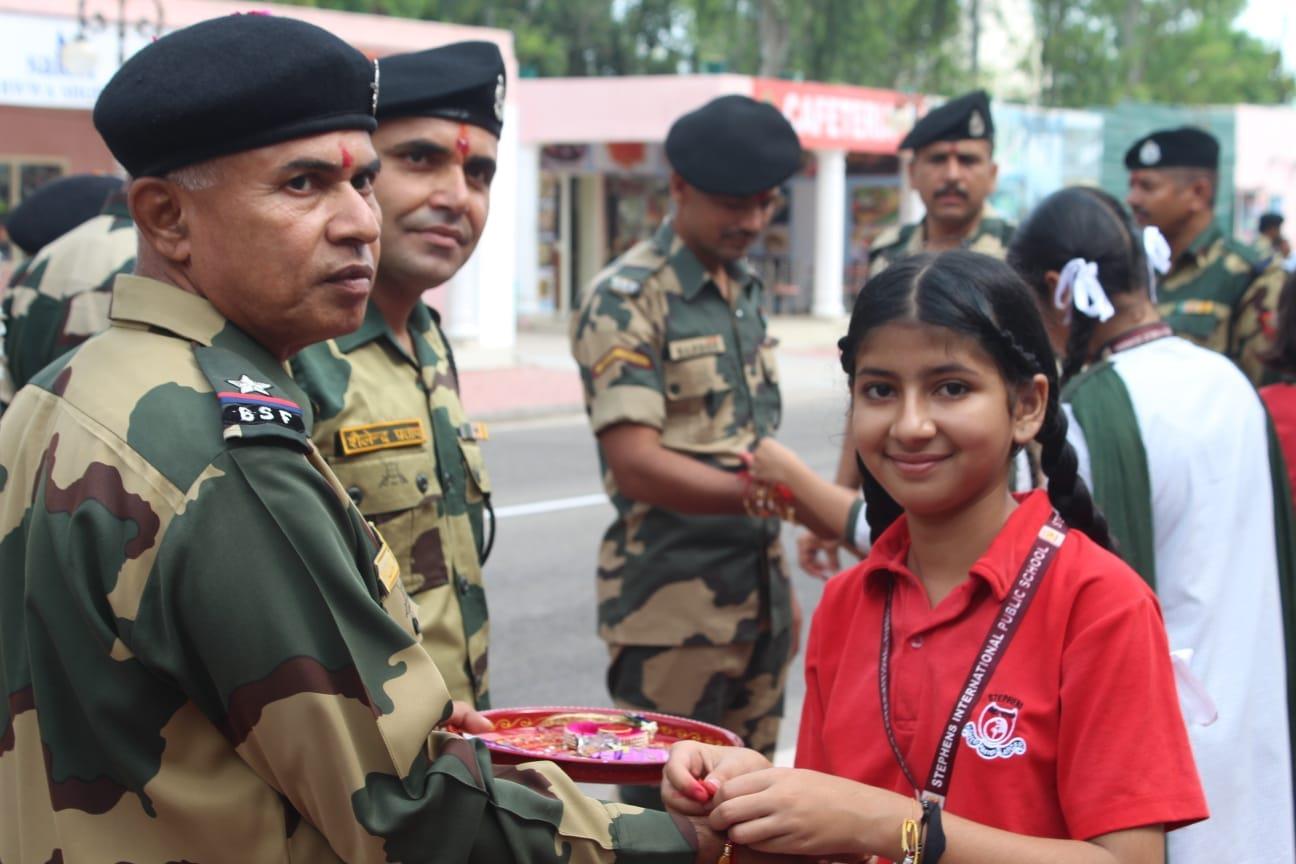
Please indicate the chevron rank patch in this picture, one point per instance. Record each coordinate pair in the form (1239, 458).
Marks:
(622, 355)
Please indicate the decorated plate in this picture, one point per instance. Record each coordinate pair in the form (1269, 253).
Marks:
(595, 745)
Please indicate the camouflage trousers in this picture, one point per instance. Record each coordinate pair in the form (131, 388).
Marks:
(738, 687)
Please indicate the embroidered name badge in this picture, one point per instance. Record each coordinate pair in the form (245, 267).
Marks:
(1199, 307)
(621, 355)
(253, 409)
(369, 437)
(701, 346)
(993, 736)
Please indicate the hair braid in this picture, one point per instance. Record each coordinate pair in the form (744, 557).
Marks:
(1077, 349)
(1066, 488)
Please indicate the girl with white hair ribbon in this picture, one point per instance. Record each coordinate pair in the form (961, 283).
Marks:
(1175, 444)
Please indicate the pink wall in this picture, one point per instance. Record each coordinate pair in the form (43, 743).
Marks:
(627, 108)
(1265, 173)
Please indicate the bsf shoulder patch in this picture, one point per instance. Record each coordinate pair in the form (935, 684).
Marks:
(624, 285)
(253, 409)
(622, 355)
(700, 346)
(369, 437)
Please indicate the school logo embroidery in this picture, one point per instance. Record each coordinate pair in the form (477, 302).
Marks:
(991, 736)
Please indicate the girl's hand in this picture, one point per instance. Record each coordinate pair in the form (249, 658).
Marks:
(774, 463)
(468, 719)
(797, 812)
(695, 771)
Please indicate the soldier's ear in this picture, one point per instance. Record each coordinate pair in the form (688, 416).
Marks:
(159, 209)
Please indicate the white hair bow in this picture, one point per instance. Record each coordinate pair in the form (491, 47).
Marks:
(1158, 256)
(1078, 284)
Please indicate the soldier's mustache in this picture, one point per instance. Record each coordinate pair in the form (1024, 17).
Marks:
(954, 189)
(426, 220)
(739, 234)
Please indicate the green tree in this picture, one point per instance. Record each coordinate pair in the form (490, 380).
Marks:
(904, 44)
(1100, 52)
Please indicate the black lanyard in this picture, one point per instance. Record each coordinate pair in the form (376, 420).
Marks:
(1005, 625)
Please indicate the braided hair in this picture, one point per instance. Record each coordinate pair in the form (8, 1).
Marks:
(1080, 222)
(981, 298)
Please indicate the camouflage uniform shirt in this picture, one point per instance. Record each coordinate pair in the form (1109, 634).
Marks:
(59, 298)
(206, 656)
(991, 237)
(393, 430)
(1223, 295)
(659, 345)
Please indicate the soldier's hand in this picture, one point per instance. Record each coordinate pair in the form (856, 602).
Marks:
(817, 556)
(467, 718)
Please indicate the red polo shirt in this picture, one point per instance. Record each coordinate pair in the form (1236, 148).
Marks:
(1078, 733)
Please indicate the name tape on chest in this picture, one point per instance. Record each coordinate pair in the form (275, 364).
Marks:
(621, 355)
(1201, 307)
(699, 346)
(369, 437)
(253, 409)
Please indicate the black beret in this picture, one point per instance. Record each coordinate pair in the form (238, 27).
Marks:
(463, 81)
(56, 208)
(734, 145)
(960, 119)
(1267, 221)
(1185, 147)
(231, 84)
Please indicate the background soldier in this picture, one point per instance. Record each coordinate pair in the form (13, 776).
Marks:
(680, 381)
(207, 651)
(80, 235)
(953, 171)
(1269, 239)
(386, 400)
(1219, 293)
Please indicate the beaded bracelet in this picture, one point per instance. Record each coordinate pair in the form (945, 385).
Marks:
(763, 500)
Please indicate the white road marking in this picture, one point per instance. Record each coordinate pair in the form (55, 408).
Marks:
(551, 506)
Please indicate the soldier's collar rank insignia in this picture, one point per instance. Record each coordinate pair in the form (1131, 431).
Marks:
(976, 125)
(1150, 152)
(499, 98)
(624, 285)
(247, 385)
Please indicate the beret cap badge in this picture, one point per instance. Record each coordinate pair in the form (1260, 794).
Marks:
(499, 98)
(976, 125)
(1150, 152)
(373, 88)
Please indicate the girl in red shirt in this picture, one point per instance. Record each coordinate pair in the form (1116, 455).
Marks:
(990, 658)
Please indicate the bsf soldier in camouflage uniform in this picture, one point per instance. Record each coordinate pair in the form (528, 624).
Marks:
(59, 297)
(386, 397)
(680, 380)
(205, 650)
(1219, 293)
(953, 171)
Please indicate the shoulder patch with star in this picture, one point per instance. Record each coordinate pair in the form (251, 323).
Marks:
(248, 411)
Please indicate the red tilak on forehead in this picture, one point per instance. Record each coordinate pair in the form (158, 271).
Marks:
(346, 156)
(461, 142)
